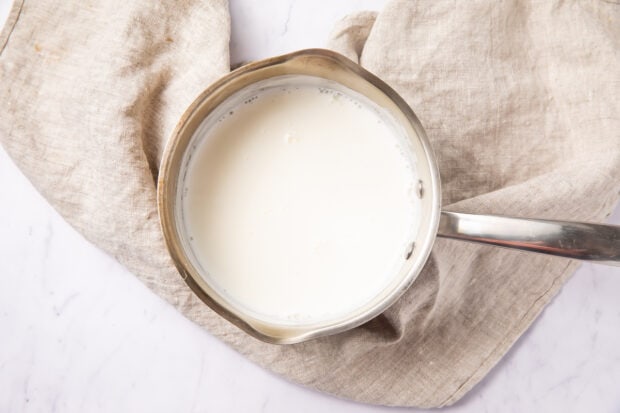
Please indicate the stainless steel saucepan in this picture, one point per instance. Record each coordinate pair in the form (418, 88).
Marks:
(581, 241)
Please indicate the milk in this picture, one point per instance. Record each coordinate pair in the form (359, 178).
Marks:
(300, 203)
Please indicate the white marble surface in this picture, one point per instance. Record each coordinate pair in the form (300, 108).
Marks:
(78, 333)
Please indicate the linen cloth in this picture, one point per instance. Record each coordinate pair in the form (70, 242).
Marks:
(519, 99)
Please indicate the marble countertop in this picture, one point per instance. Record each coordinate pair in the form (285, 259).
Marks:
(79, 333)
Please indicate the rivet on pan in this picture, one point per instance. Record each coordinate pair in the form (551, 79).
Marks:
(420, 189)
(410, 252)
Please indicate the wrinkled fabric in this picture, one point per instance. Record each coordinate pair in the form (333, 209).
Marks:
(519, 100)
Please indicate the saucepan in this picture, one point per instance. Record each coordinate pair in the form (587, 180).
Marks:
(573, 240)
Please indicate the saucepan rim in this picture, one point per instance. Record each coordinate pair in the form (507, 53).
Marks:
(169, 175)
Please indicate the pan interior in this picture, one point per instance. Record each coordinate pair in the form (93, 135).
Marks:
(292, 223)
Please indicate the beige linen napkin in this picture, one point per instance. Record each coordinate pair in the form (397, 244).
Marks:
(519, 98)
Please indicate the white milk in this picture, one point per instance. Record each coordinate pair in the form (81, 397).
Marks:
(300, 203)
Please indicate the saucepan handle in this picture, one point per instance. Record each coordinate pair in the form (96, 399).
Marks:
(582, 241)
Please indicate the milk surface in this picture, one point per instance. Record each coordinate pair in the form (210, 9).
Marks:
(300, 203)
